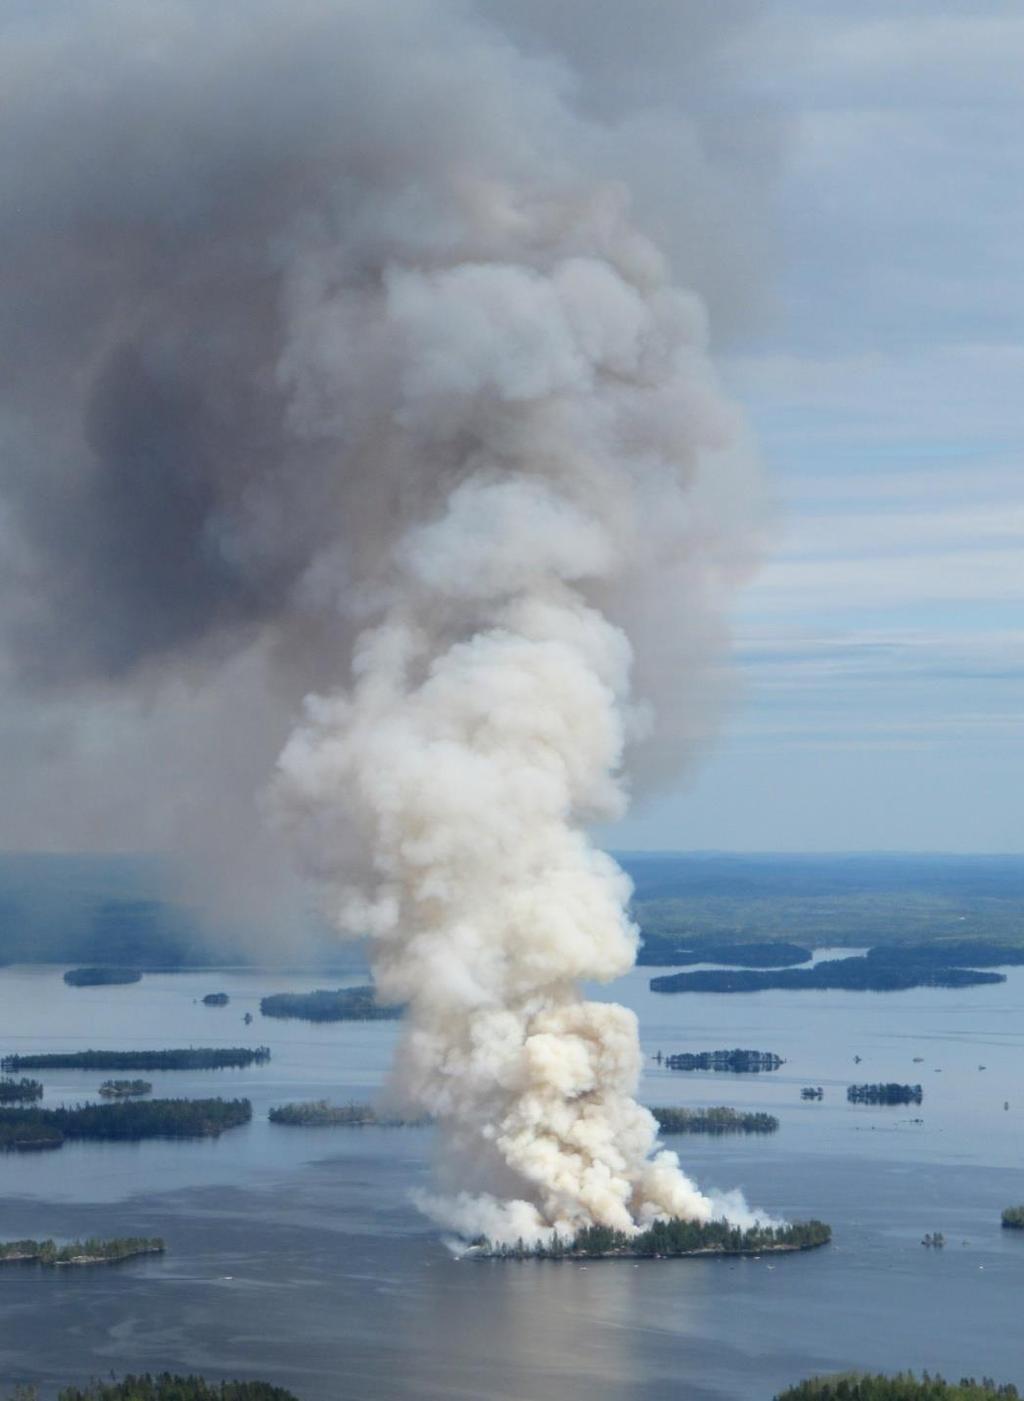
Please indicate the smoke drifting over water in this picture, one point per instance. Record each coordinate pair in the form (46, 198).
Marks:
(348, 372)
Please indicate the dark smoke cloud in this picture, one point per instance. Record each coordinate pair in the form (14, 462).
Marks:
(200, 473)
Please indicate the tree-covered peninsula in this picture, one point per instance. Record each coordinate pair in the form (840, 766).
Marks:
(904, 1386)
(100, 977)
(79, 1252)
(717, 1120)
(1013, 1218)
(340, 1005)
(23, 1091)
(128, 1119)
(125, 1089)
(665, 1240)
(186, 1058)
(853, 974)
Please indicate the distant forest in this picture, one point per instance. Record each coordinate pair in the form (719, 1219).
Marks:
(854, 900)
(858, 1386)
(669, 951)
(94, 910)
(166, 1387)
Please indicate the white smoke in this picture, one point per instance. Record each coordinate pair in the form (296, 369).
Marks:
(491, 712)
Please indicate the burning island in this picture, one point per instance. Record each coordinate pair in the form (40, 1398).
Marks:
(664, 1240)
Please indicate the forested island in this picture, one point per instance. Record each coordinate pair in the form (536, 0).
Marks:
(663, 950)
(168, 1387)
(125, 1089)
(79, 1252)
(100, 977)
(665, 1240)
(187, 1058)
(885, 1094)
(341, 1005)
(23, 1091)
(904, 1386)
(1013, 1218)
(736, 1062)
(713, 1121)
(318, 1113)
(22, 1129)
(860, 974)
(216, 999)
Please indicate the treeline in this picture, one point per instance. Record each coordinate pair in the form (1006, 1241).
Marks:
(80, 1252)
(854, 974)
(187, 1058)
(22, 1091)
(1013, 1218)
(318, 1113)
(167, 1387)
(662, 950)
(126, 1119)
(885, 1094)
(342, 1005)
(100, 977)
(736, 1061)
(951, 953)
(666, 1239)
(904, 1386)
(713, 1120)
(216, 999)
(125, 1089)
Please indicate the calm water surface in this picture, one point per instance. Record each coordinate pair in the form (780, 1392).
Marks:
(295, 1254)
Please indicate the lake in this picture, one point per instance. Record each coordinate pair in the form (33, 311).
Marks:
(295, 1254)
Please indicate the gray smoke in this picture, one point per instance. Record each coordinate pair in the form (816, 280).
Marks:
(340, 363)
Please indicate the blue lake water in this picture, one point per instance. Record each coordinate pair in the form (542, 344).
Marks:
(295, 1254)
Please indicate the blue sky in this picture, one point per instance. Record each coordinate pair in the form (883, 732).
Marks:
(882, 644)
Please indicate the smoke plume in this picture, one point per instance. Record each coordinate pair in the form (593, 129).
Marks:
(341, 365)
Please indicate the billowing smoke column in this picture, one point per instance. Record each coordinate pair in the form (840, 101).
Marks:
(490, 711)
(348, 374)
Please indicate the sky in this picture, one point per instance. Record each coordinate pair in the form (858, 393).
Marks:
(881, 645)
(843, 185)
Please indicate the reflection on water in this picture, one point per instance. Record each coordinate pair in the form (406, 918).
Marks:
(295, 1254)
